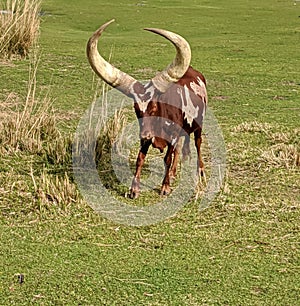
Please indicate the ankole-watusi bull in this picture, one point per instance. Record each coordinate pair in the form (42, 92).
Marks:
(172, 104)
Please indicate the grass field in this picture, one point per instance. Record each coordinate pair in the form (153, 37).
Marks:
(243, 249)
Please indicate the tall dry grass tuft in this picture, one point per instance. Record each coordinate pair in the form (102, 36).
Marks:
(98, 137)
(109, 133)
(27, 125)
(19, 27)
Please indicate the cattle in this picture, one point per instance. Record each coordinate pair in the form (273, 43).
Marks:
(169, 107)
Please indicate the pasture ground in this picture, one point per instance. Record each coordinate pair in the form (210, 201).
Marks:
(243, 249)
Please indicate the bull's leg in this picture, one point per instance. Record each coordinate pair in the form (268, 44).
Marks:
(186, 152)
(200, 164)
(165, 189)
(135, 185)
(173, 170)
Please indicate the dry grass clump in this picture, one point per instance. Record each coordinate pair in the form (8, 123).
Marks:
(19, 27)
(284, 148)
(253, 127)
(286, 155)
(284, 151)
(38, 194)
(55, 194)
(285, 136)
(26, 126)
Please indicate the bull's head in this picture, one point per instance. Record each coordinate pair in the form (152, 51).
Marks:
(145, 96)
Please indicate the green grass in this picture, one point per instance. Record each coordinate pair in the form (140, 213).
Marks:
(243, 249)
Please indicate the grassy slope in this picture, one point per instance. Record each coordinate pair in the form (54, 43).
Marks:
(244, 249)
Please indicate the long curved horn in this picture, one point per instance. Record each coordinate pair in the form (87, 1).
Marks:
(180, 64)
(107, 72)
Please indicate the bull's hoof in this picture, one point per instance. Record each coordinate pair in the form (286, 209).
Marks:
(165, 190)
(134, 194)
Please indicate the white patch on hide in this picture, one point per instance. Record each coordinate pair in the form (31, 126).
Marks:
(141, 99)
(199, 89)
(174, 140)
(142, 105)
(189, 110)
